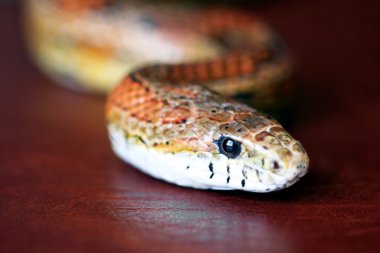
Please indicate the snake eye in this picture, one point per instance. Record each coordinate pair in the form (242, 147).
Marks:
(229, 147)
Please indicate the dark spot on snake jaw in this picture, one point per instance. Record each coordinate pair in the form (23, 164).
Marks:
(212, 174)
(184, 121)
(211, 167)
(142, 140)
(244, 174)
(258, 176)
(243, 183)
(228, 169)
(275, 165)
(228, 180)
(167, 143)
(187, 167)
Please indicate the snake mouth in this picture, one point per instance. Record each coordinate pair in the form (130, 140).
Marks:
(270, 172)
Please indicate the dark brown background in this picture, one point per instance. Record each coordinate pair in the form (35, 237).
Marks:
(62, 189)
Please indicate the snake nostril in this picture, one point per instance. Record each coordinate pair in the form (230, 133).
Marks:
(277, 167)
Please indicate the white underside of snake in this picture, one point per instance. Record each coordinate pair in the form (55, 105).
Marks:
(174, 168)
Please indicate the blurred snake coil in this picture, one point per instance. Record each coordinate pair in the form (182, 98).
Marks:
(179, 68)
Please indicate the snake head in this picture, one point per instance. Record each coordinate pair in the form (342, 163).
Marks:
(204, 141)
(261, 155)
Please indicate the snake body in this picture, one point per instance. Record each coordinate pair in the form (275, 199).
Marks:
(176, 121)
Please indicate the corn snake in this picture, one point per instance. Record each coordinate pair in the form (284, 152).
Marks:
(177, 121)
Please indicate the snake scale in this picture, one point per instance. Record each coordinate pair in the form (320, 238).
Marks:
(178, 121)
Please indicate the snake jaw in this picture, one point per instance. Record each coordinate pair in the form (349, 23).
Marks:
(270, 160)
(252, 170)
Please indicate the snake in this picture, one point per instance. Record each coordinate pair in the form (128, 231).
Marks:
(181, 122)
